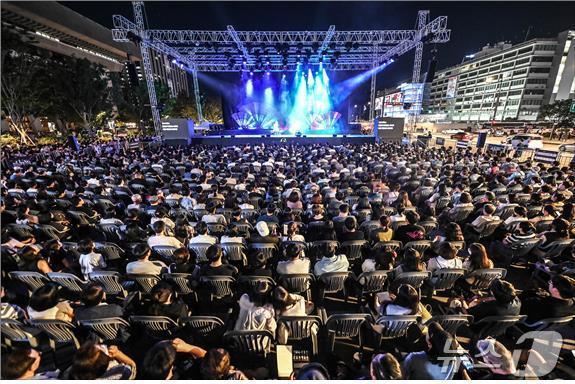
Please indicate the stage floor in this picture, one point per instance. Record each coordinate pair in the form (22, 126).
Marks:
(228, 140)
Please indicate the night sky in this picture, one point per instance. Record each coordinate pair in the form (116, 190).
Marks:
(472, 24)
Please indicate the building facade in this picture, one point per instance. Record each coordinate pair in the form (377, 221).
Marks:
(54, 27)
(505, 82)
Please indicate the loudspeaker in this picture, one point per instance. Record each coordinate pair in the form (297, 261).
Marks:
(481, 139)
(73, 143)
(430, 71)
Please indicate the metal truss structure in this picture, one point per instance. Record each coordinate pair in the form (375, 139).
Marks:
(234, 51)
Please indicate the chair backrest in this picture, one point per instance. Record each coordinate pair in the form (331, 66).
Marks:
(145, 282)
(57, 330)
(482, 278)
(396, 326)
(202, 325)
(397, 224)
(249, 342)
(300, 327)
(451, 323)
(108, 329)
(200, 250)
(251, 282)
(444, 279)
(393, 245)
(523, 247)
(372, 282)
(265, 248)
(428, 226)
(110, 230)
(543, 225)
(199, 213)
(67, 280)
(79, 217)
(334, 281)
(352, 249)
(497, 325)
(460, 214)
(415, 279)
(22, 230)
(181, 282)
(110, 281)
(110, 251)
(250, 214)
(457, 244)
(346, 324)
(551, 323)
(216, 228)
(296, 282)
(165, 252)
(557, 247)
(47, 231)
(218, 286)
(16, 332)
(490, 227)
(234, 252)
(419, 245)
(506, 212)
(156, 326)
(33, 280)
(442, 202)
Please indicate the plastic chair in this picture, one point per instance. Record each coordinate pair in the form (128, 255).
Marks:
(158, 327)
(451, 323)
(392, 244)
(68, 281)
(352, 249)
(200, 249)
(110, 251)
(495, 326)
(47, 232)
(249, 343)
(145, 282)
(15, 334)
(111, 281)
(58, 331)
(33, 280)
(251, 282)
(109, 329)
(345, 326)
(444, 279)
(218, 286)
(202, 326)
(297, 283)
(419, 245)
(372, 282)
(334, 282)
(235, 253)
(181, 282)
(484, 277)
(302, 329)
(267, 249)
(164, 252)
(549, 324)
(415, 279)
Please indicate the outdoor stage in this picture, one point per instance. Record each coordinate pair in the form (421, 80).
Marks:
(229, 140)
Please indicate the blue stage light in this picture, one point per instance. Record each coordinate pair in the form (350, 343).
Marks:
(249, 88)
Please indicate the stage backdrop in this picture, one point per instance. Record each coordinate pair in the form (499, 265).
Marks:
(284, 104)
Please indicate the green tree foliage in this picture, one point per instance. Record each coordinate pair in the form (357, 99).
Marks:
(559, 113)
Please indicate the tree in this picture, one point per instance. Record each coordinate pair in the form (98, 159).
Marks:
(20, 89)
(559, 113)
(84, 87)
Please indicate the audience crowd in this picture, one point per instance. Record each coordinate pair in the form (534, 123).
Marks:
(373, 261)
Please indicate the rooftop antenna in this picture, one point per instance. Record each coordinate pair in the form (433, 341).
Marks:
(527, 34)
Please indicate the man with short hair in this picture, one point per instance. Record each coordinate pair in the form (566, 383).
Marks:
(160, 239)
(95, 306)
(143, 266)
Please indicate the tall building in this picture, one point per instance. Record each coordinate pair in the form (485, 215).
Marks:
(54, 27)
(505, 82)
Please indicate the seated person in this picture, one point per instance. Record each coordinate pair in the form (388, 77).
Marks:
(263, 235)
(164, 303)
(502, 301)
(202, 236)
(330, 262)
(23, 364)
(45, 304)
(270, 215)
(559, 301)
(405, 302)
(90, 261)
(294, 263)
(97, 361)
(143, 265)
(381, 259)
(350, 231)
(385, 233)
(257, 265)
(411, 231)
(95, 306)
(559, 231)
(447, 258)
(487, 216)
(212, 217)
(439, 361)
(215, 266)
(184, 262)
(255, 311)
(161, 239)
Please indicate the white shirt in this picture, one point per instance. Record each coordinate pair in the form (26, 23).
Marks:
(145, 267)
(203, 239)
(91, 261)
(163, 240)
(337, 263)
